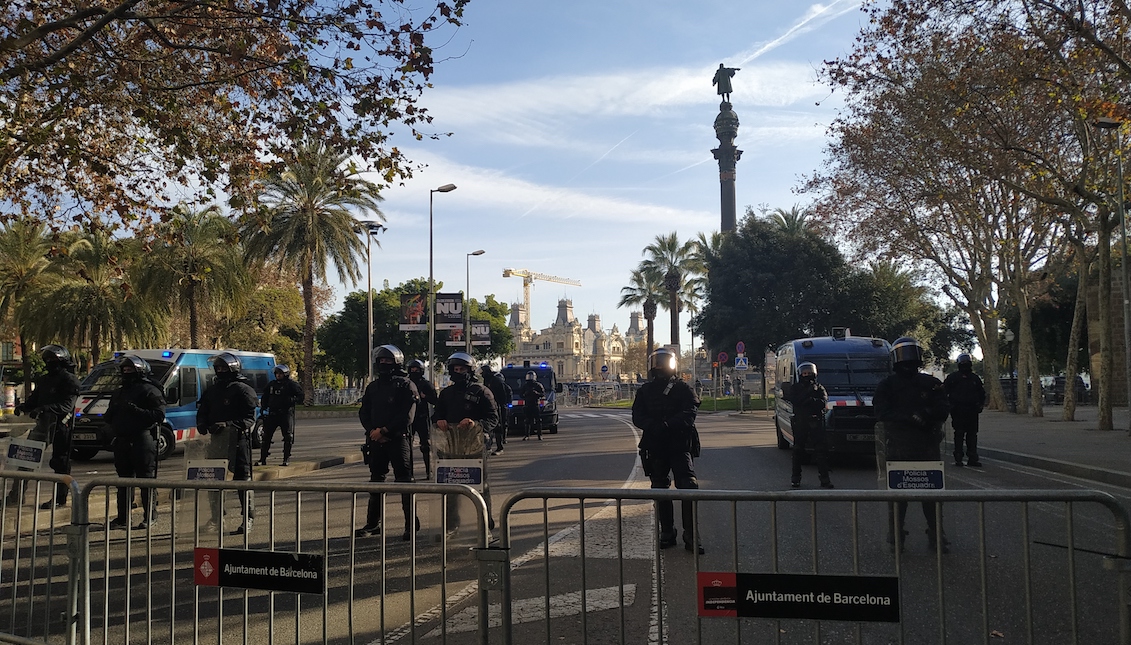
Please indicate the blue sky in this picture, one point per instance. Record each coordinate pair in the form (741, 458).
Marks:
(582, 130)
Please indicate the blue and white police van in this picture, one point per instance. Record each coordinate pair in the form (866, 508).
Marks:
(515, 376)
(850, 368)
(182, 374)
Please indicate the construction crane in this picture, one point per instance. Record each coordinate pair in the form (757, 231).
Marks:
(528, 278)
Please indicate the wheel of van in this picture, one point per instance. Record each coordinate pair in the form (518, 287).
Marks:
(83, 454)
(554, 429)
(783, 444)
(166, 443)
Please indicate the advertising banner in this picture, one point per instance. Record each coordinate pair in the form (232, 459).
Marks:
(414, 312)
(449, 311)
(455, 338)
(481, 333)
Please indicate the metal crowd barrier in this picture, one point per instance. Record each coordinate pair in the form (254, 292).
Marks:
(1005, 579)
(122, 585)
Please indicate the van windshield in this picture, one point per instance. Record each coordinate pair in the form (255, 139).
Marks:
(104, 378)
(515, 378)
(847, 373)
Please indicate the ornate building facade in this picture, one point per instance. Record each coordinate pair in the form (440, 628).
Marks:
(576, 352)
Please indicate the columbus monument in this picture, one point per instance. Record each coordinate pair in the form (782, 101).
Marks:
(726, 129)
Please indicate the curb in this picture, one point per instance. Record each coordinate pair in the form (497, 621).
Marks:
(272, 473)
(1114, 478)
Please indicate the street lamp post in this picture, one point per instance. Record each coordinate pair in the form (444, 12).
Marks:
(1117, 125)
(467, 300)
(370, 229)
(446, 188)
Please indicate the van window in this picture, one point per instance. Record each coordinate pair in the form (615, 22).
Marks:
(188, 384)
(258, 380)
(104, 378)
(840, 372)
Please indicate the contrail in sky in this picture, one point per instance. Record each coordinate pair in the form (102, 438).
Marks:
(846, 6)
(595, 162)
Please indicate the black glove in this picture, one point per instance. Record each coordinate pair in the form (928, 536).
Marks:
(203, 430)
(33, 413)
(20, 409)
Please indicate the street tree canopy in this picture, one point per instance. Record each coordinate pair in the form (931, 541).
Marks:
(108, 106)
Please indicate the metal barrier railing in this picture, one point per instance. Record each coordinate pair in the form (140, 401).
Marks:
(840, 533)
(131, 583)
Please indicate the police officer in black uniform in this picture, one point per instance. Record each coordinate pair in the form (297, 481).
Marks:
(387, 411)
(422, 420)
(911, 407)
(531, 395)
(460, 405)
(665, 409)
(809, 399)
(967, 397)
(502, 394)
(278, 410)
(135, 413)
(52, 405)
(226, 412)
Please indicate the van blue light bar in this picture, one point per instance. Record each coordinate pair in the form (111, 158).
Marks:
(166, 354)
(544, 364)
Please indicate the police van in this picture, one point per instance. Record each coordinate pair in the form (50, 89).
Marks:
(515, 376)
(182, 374)
(850, 368)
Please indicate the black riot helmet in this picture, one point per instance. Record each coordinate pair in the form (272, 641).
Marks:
(226, 363)
(663, 362)
(965, 359)
(415, 366)
(393, 359)
(807, 370)
(282, 371)
(907, 352)
(531, 376)
(53, 355)
(133, 368)
(457, 361)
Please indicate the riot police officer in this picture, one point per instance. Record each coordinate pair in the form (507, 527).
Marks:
(278, 410)
(911, 407)
(502, 394)
(226, 412)
(460, 406)
(967, 397)
(135, 413)
(52, 405)
(809, 399)
(665, 409)
(422, 420)
(387, 411)
(531, 395)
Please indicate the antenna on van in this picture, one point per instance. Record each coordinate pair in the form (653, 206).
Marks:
(840, 333)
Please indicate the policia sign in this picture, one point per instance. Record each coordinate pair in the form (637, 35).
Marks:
(266, 570)
(815, 597)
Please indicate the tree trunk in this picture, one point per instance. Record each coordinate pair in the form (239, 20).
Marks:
(1103, 257)
(95, 343)
(650, 316)
(25, 359)
(986, 329)
(1028, 379)
(1022, 367)
(673, 303)
(194, 326)
(1071, 364)
(308, 336)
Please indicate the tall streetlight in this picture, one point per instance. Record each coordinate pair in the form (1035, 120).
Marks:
(1107, 123)
(467, 298)
(446, 188)
(370, 229)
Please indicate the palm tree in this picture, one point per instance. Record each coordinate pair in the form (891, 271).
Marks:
(195, 261)
(24, 267)
(309, 224)
(794, 221)
(672, 261)
(644, 288)
(92, 302)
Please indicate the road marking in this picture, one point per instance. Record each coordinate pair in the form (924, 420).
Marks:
(531, 610)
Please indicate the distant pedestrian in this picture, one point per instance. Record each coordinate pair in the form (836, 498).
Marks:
(52, 405)
(532, 394)
(911, 407)
(387, 410)
(699, 388)
(278, 410)
(967, 397)
(726, 386)
(422, 419)
(502, 394)
(135, 413)
(665, 409)
(809, 399)
(226, 413)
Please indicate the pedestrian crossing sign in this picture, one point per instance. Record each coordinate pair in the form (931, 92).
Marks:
(741, 363)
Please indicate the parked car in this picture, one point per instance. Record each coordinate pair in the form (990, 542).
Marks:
(1054, 393)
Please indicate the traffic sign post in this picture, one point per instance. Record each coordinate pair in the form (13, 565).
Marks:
(740, 347)
(741, 363)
